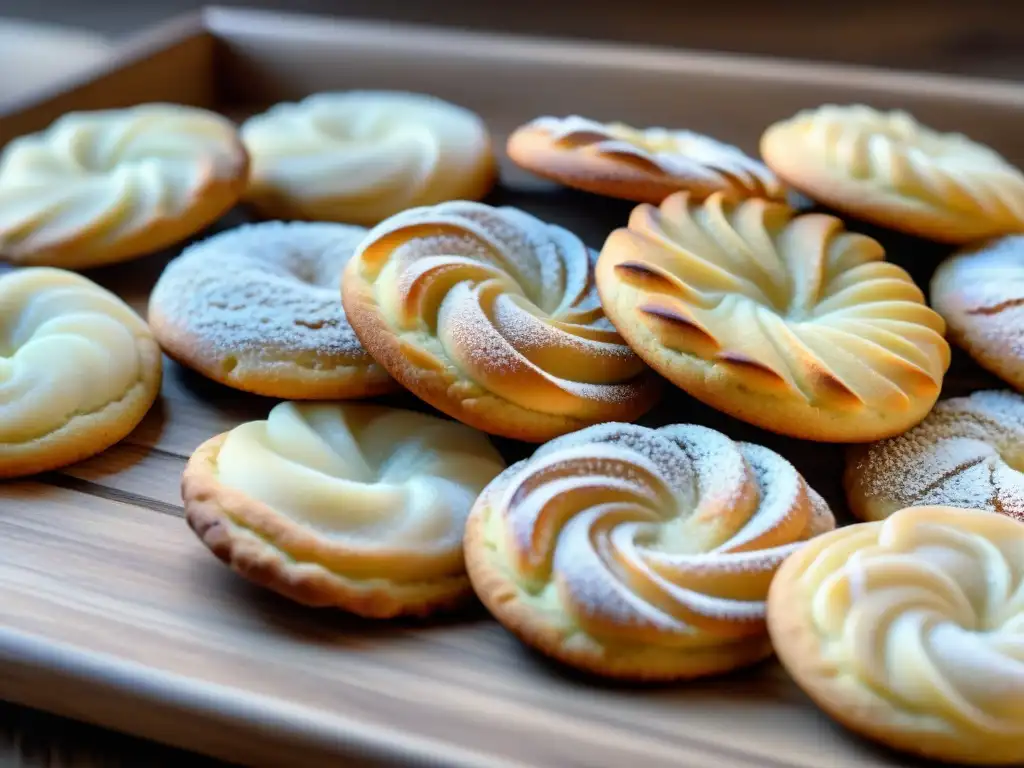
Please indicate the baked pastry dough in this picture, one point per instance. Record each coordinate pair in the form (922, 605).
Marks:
(361, 156)
(640, 553)
(258, 308)
(342, 505)
(491, 316)
(911, 631)
(889, 169)
(966, 453)
(102, 187)
(645, 165)
(979, 291)
(78, 373)
(785, 321)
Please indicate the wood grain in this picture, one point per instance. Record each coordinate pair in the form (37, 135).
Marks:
(111, 612)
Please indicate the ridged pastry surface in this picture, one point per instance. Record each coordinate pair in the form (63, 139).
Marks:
(356, 506)
(887, 167)
(100, 187)
(79, 369)
(639, 552)
(360, 156)
(787, 321)
(967, 453)
(492, 315)
(644, 164)
(911, 630)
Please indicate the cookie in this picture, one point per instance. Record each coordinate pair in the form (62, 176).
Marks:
(644, 165)
(640, 554)
(360, 156)
(80, 370)
(491, 315)
(101, 187)
(258, 308)
(909, 631)
(785, 321)
(887, 168)
(343, 505)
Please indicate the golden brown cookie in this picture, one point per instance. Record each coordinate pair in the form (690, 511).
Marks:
(645, 165)
(258, 308)
(79, 370)
(910, 631)
(640, 553)
(491, 316)
(786, 321)
(349, 506)
(101, 187)
(889, 169)
(967, 453)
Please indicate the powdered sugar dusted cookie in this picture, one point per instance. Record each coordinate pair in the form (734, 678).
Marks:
(640, 553)
(258, 308)
(645, 165)
(967, 453)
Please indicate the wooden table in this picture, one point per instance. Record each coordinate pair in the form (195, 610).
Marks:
(976, 38)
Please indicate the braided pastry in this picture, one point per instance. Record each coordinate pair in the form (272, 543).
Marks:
(102, 187)
(360, 156)
(640, 553)
(645, 165)
(350, 506)
(911, 631)
(785, 321)
(80, 370)
(887, 168)
(491, 316)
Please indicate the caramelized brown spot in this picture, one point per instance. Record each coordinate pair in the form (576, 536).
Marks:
(678, 331)
(641, 275)
(834, 387)
(751, 367)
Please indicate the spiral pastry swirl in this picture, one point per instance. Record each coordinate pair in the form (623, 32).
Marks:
(641, 553)
(492, 316)
(786, 321)
(888, 168)
(356, 506)
(79, 369)
(101, 187)
(358, 157)
(642, 164)
(911, 630)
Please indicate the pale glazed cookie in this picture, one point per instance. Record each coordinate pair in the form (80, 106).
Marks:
(640, 553)
(361, 156)
(343, 505)
(980, 293)
(645, 165)
(79, 370)
(911, 631)
(258, 308)
(968, 453)
(101, 187)
(887, 168)
(491, 316)
(786, 321)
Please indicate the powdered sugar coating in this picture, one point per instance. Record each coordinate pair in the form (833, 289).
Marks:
(965, 454)
(663, 536)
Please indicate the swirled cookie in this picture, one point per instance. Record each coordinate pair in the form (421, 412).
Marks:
(491, 316)
(640, 553)
(887, 168)
(102, 187)
(258, 308)
(361, 156)
(788, 322)
(645, 165)
(968, 453)
(350, 506)
(911, 631)
(979, 291)
(79, 370)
